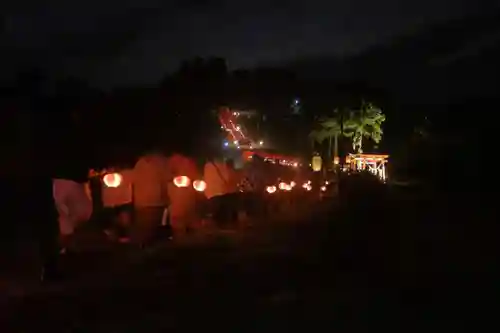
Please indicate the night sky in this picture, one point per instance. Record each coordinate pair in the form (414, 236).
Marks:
(123, 42)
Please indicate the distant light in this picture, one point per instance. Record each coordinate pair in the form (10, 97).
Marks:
(226, 143)
(235, 142)
(238, 147)
(261, 142)
(271, 189)
(238, 128)
(296, 101)
(234, 113)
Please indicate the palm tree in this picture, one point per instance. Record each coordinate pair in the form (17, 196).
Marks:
(330, 128)
(317, 136)
(367, 123)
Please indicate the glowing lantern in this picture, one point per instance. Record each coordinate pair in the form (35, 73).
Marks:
(283, 186)
(182, 181)
(112, 179)
(271, 189)
(199, 185)
(316, 163)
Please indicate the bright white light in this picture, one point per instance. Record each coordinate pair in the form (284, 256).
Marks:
(238, 147)
(271, 189)
(261, 142)
(199, 185)
(226, 144)
(112, 179)
(181, 181)
(235, 142)
(238, 128)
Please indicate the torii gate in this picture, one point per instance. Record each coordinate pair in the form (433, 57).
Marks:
(374, 163)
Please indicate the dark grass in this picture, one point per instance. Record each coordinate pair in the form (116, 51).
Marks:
(385, 258)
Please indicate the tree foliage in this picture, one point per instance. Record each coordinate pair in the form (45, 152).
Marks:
(366, 123)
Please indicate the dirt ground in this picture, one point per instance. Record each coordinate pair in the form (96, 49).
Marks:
(402, 262)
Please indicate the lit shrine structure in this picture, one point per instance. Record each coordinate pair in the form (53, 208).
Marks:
(374, 163)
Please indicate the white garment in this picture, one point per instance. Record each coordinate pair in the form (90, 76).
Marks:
(72, 203)
(150, 180)
(217, 177)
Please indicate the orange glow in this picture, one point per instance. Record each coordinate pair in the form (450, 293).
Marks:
(283, 186)
(271, 189)
(199, 185)
(182, 181)
(323, 188)
(288, 187)
(112, 179)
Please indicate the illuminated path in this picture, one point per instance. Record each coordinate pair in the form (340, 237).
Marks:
(227, 119)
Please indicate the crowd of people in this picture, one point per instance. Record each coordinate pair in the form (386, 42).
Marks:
(156, 206)
(54, 197)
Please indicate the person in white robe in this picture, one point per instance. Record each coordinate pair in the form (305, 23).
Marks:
(73, 206)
